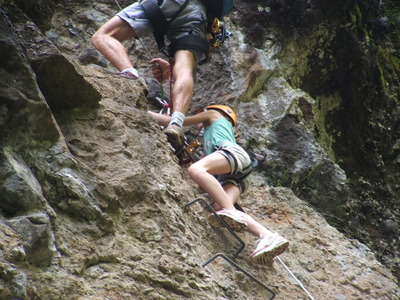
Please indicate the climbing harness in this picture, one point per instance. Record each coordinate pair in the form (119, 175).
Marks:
(158, 21)
(161, 25)
(217, 33)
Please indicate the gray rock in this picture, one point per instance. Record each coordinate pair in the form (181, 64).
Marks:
(37, 233)
(20, 191)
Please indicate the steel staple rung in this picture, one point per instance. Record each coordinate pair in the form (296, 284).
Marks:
(223, 222)
(241, 270)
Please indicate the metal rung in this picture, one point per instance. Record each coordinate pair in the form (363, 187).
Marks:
(241, 270)
(223, 223)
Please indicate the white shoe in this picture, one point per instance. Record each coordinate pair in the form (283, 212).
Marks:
(133, 74)
(231, 216)
(268, 247)
(130, 73)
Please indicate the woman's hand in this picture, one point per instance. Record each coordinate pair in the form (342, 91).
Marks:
(160, 69)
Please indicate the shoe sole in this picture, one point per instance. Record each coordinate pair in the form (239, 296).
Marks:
(232, 223)
(129, 77)
(265, 257)
(174, 140)
(138, 79)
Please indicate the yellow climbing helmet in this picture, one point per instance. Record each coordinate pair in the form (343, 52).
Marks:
(225, 109)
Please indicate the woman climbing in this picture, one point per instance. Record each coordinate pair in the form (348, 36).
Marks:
(223, 174)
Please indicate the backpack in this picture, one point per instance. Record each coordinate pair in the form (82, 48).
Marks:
(218, 8)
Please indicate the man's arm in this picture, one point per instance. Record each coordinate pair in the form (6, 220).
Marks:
(160, 69)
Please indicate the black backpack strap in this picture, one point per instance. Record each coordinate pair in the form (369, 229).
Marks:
(157, 19)
(246, 172)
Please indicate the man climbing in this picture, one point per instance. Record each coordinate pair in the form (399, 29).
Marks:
(184, 24)
(223, 174)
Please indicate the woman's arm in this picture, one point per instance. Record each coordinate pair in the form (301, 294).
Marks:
(163, 120)
(205, 117)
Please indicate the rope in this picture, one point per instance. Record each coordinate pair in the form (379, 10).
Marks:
(295, 278)
(119, 6)
(171, 82)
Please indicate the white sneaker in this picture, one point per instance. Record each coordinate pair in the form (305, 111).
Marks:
(130, 73)
(133, 74)
(231, 216)
(268, 247)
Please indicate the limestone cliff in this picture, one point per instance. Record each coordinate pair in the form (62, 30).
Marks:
(93, 202)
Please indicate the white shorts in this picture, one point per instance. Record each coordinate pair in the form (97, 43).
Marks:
(240, 163)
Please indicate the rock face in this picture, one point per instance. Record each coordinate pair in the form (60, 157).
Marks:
(93, 202)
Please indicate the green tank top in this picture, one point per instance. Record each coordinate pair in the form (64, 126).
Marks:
(219, 133)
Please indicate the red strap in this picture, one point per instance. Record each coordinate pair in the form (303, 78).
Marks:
(171, 84)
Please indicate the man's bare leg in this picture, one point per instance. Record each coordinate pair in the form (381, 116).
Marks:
(183, 71)
(184, 66)
(108, 40)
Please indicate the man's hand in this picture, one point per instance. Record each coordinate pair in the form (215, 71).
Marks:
(160, 69)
